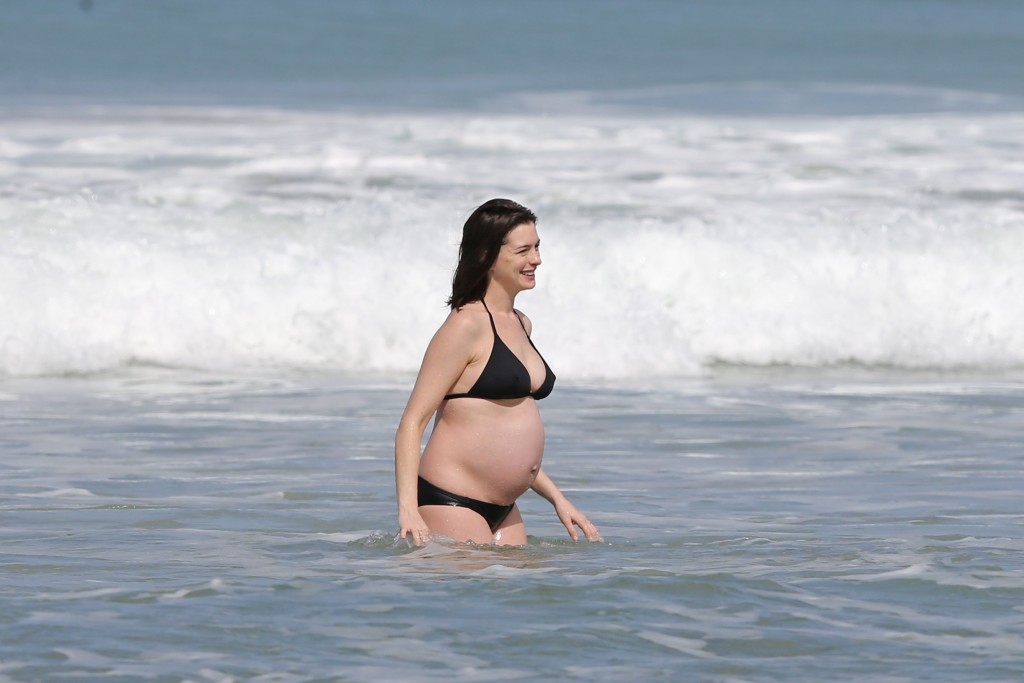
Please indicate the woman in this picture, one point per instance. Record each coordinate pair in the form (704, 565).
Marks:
(481, 378)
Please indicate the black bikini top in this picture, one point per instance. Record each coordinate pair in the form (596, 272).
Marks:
(505, 376)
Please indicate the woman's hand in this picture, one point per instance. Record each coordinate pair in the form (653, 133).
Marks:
(412, 524)
(566, 511)
(572, 518)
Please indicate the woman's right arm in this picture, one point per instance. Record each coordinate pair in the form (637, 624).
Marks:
(447, 356)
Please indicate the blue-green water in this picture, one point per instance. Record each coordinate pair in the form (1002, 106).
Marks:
(758, 526)
(699, 55)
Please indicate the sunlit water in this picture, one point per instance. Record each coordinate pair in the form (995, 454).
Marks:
(759, 526)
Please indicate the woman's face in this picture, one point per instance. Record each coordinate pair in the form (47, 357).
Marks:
(517, 261)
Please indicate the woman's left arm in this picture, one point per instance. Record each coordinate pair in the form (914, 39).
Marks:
(566, 511)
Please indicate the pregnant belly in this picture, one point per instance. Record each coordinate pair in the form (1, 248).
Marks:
(490, 452)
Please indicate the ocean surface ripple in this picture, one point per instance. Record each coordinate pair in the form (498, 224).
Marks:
(158, 526)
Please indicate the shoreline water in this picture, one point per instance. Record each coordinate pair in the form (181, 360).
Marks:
(760, 526)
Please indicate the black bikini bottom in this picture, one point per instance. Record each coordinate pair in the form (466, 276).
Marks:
(492, 513)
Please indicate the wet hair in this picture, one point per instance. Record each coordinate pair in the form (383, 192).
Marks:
(482, 236)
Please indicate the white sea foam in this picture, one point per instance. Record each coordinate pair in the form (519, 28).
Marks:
(244, 239)
(61, 493)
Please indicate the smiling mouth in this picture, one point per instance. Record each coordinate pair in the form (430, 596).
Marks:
(529, 273)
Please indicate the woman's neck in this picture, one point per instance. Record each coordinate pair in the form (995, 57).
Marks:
(498, 300)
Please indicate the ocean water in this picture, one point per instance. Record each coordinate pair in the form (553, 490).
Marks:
(781, 291)
(769, 526)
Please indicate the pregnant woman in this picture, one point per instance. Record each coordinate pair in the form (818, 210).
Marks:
(480, 380)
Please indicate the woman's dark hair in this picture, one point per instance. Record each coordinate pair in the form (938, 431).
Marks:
(482, 236)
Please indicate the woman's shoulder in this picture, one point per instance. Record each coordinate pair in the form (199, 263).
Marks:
(467, 321)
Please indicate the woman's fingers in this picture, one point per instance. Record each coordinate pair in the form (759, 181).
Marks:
(412, 524)
(588, 528)
(572, 518)
(417, 536)
(590, 531)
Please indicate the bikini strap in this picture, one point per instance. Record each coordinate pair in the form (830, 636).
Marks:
(519, 317)
(493, 327)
